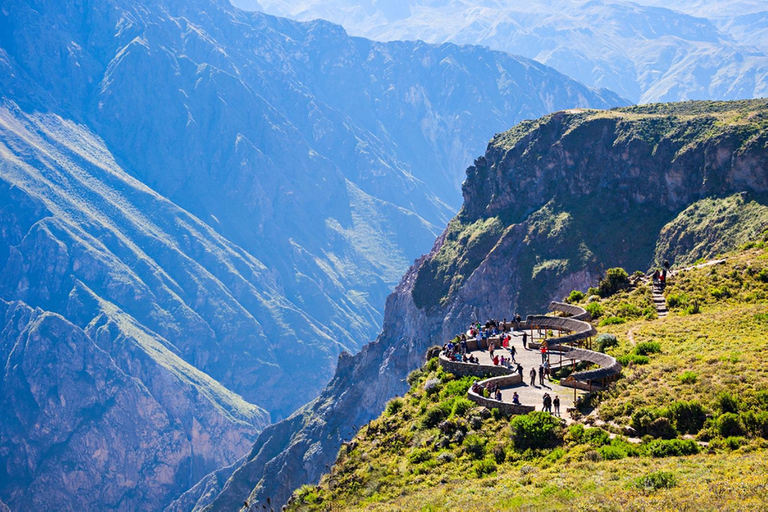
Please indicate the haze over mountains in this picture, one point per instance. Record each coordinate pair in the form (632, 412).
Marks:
(644, 51)
(200, 208)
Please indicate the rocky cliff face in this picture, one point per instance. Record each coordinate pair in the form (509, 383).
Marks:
(550, 205)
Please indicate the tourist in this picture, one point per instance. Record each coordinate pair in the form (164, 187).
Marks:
(547, 403)
(546, 370)
(541, 375)
(543, 352)
(498, 394)
(525, 340)
(520, 369)
(512, 351)
(533, 376)
(496, 360)
(516, 399)
(557, 405)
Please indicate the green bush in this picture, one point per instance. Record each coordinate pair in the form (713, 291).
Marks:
(574, 433)
(688, 377)
(756, 423)
(721, 292)
(656, 480)
(596, 437)
(419, 455)
(687, 417)
(612, 320)
(474, 445)
(729, 424)
(633, 358)
(672, 447)
(662, 428)
(432, 364)
(414, 377)
(432, 417)
(499, 453)
(735, 442)
(675, 300)
(484, 467)
(536, 430)
(612, 452)
(394, 406)
(606, 341)
(575, 297)
(647, 347)
(461, 405)
(594, 309)
(457, 387)
(726, 402)
(615, 279)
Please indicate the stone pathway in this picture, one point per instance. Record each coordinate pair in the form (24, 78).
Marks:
(531, 395)
(660, 302)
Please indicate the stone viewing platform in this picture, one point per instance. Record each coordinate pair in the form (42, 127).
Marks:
(567, 340)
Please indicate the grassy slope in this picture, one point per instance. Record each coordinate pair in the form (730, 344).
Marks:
(716, 359)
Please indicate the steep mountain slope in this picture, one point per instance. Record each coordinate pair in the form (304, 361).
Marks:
(644, 53)
(332, 160)
(551, 205)
(101, 409)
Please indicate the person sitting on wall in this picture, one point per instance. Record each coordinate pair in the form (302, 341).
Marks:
(498, 395)
(496, 360)
(516, 399)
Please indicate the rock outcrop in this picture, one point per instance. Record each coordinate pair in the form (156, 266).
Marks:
(551, 205)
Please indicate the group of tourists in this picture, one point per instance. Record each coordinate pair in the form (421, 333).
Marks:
(660, 275)
(497, 336)
(548, 403)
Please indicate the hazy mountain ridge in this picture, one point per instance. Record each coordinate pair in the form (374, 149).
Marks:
(644, 52)
(552, 204)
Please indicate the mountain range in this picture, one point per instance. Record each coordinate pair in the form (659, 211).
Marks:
(200, 210)
(646, 51)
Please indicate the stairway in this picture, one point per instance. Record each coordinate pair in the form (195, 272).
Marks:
(659, 302)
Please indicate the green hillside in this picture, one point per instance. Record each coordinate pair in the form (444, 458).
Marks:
(685, 427)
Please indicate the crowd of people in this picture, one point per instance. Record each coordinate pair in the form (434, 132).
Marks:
(496, 337)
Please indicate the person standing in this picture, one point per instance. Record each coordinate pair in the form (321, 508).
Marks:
(533, 376)
(556, 403)
(525, 340)
(512, 351)
(548, 403)
(541, 375)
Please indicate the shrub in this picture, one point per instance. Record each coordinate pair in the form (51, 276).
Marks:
(721, 292)
(432, 417)
(593, 293)
(474, 445)
(647, 347)
(461, 405)
(688, 377)
(432, 386)
(596, 437)
(499, 453)
(729, 424)
(735, 442)
(605, 341)
(756, 423)
(615, 279)
(687, 417)
(672, 447)
(575, 296)
(458, 387)
(484, 467)
(536, 430)
(414, 377)
(394, 406)
(662, 428)
(726, 402)
(675, 300)
(594, 309)
(763, 275)
(419, 455)
(574, 433)
(612, 452)
(656, 480)
(432, 364)
(612, 320)
(633, 358)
